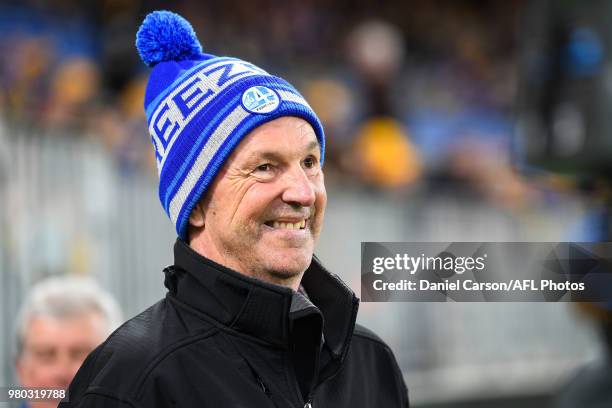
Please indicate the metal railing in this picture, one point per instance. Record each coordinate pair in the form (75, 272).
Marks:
(66, 207)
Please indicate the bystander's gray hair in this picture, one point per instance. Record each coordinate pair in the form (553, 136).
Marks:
(64, 297)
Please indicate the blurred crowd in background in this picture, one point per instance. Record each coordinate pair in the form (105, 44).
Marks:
(407, 91)
(419, 103)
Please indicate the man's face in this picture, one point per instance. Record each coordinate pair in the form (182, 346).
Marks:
(54, 349)
(264, 212)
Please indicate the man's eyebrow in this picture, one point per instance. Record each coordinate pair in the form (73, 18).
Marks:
(262, 155)
(271, 155)
(313, 145)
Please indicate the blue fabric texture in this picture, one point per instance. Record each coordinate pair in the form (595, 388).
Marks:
(166, 36)
(200, 106)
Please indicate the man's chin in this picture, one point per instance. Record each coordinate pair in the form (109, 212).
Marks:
(287, 266)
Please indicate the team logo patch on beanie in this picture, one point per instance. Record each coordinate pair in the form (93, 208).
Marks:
(260, 99)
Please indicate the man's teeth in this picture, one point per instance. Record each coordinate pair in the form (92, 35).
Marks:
(289, 225)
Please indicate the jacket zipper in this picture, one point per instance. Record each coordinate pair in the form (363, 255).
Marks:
(262, 385)
(267, 392)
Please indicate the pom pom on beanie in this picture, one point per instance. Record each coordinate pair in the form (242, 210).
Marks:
(165, 36)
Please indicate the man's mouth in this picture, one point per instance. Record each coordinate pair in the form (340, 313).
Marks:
(288, 225)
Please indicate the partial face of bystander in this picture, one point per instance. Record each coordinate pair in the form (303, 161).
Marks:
(54, 349)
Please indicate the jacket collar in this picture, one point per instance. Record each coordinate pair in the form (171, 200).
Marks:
(260, 309)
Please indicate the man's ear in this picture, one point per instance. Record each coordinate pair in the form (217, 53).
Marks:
(196, 218)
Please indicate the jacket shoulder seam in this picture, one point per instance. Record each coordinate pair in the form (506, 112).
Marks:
(371, 338)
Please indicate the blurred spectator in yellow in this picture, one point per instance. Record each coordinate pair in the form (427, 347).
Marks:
(74, 87)
(23, 76)
(61, 321)
(383, 154)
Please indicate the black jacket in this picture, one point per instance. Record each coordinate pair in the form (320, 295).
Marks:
(223, 340)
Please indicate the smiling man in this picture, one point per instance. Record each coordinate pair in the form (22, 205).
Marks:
(265, 209)
(251, 318)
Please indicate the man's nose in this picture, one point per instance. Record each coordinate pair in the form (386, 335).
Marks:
(63, 373)
(65, 369)
(299, 189)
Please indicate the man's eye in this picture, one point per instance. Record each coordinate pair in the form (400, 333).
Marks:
(264, 167)
(310, 162)
(44, 355)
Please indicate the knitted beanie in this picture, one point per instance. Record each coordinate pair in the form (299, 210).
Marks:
(200, 106)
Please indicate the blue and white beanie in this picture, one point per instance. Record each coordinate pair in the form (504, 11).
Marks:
(200, 106)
